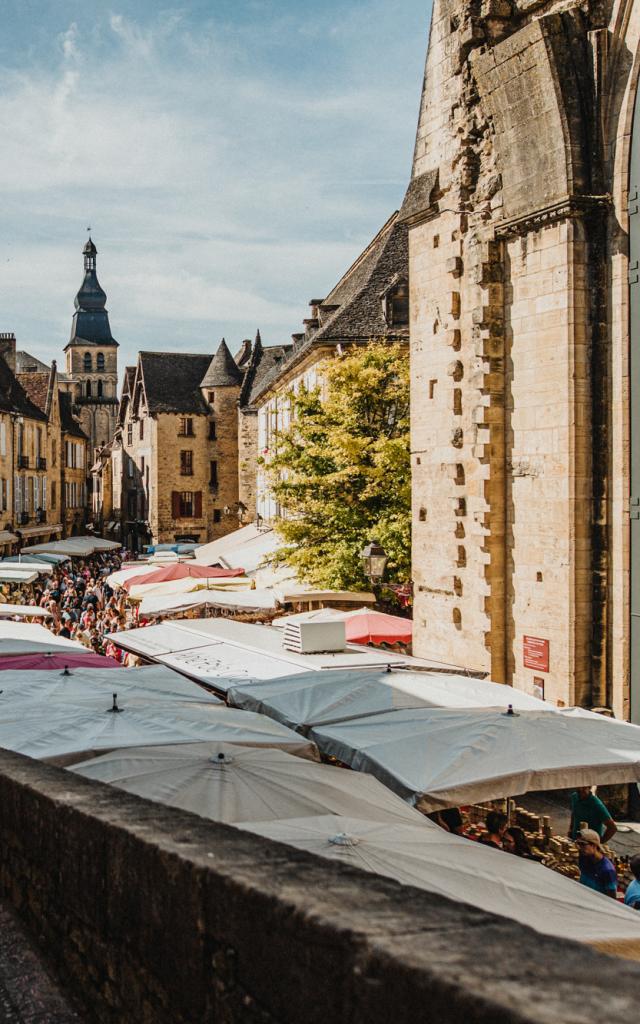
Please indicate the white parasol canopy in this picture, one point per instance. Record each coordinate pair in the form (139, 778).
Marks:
(26, 566)
(313, 699)
(232, 783)
(116, 579)
(467, 872)
(17, 576)
(55, 732)
(154, 684)
(438, 757)
(31, 638)
(24, 611)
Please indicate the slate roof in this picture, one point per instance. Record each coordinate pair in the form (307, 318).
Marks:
(13, 397)
(267, 370)
(353, 311)
(68, 421)
(223, 371)
(171, 381)
(26, 363)
(419, 197)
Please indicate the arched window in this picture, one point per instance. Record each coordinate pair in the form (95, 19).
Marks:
(99, 389)
(100, 362)
(88, 389)
(88, 362)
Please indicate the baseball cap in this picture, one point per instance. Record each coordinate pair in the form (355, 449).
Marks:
(588, 835)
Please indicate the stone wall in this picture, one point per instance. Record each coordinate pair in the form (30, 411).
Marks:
(156, 916)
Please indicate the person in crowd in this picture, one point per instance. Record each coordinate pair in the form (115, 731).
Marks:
(632, 894)
(496, 824)
(449, 819)
(588, 808)
(514, 841)
(596, 870)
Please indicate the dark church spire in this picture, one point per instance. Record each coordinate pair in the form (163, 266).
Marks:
(91, 320)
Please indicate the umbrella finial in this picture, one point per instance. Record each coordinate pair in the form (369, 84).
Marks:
(221, 759)
(66, 671)
(510, 713)
(115, 707)
(343, 839)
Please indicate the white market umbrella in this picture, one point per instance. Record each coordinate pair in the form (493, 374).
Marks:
(31, 638)
(117, 579)
(30, 565)
(154, 684)
(55, 732)
(313, 699)
(188, 586)
(24, 611)
(467, 872)
(438, 757)
(233, 783)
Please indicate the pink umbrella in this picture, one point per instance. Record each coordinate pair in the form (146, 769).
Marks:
(62, 660)
(180, 571)
(377, 628)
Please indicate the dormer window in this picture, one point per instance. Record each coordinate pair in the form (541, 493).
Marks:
(395, 303)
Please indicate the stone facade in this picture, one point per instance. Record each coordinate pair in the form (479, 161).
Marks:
(519, 329)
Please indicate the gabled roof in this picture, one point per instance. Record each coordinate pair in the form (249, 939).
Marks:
(13, 397)
(353, 311)
(171, 382)
(36, 386)
(223, 371)
(68, 422)
(26, 363)
(267, 369)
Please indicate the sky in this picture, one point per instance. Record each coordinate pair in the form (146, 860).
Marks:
(231, 157)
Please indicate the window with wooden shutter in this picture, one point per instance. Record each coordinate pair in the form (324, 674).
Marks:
(198, 504)
(175, 504)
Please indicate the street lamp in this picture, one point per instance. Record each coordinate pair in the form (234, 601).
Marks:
(374, 562)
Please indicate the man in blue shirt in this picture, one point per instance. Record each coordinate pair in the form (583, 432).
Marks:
(596, 870)
(632, 895)
(586, 807)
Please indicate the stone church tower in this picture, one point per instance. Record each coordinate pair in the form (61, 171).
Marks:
(92, 358)
(525, 341)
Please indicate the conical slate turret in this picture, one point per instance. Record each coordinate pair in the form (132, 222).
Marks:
(223, 370)
(91, 320)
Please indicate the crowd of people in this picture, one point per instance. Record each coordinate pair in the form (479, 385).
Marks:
(82, 605)
(591, 826)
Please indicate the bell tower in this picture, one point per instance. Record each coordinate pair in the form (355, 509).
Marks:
(92, 356)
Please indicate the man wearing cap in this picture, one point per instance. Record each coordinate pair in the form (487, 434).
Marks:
(588, 808)
(596, 870)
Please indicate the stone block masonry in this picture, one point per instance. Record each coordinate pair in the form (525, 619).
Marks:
(155, 916)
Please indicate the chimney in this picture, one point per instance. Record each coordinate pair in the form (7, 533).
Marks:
(8, 349)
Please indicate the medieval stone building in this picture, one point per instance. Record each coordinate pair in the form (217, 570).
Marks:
(522, 210)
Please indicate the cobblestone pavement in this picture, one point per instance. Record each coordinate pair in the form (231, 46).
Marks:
(28, 992)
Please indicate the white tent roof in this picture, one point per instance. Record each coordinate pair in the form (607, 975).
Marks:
(311, 699)
(54, 733)
(250, 600)
(116, 579)
(29, 637)
(464, 871)
(213, 553)
(188, 585)
(74, 546)
(17, 576)
(23, 611)
(232, 783)
(30, 565)
(437, 757)
(153, 683)
(229, 651)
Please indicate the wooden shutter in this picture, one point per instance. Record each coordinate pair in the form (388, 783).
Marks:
(197, 504)
(175, 504)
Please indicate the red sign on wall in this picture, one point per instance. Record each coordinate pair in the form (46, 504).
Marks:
(535, 653)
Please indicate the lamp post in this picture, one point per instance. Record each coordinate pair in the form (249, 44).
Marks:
(374, 562)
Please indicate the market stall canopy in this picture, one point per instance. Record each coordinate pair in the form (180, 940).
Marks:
(49, 661)
(466, 872)
(362, 625)
(54, 733)
(189, 586)
(153, 683)
(120, 577)
(24, 611)
(74, 547)
(170, 604)
(180, 571)
(220, 652)
(42, 556)
(438, 757)
(30, 565)
(313, 699)
(31, 638)
(230, 783)
(217, 550)
(18, 577)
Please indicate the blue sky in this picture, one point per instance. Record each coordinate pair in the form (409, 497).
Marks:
(231, 158)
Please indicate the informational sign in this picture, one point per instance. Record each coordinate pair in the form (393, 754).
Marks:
(535, 653)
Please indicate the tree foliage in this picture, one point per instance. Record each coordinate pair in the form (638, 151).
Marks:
(342, 469)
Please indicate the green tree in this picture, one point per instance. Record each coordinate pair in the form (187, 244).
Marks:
(342, 469)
